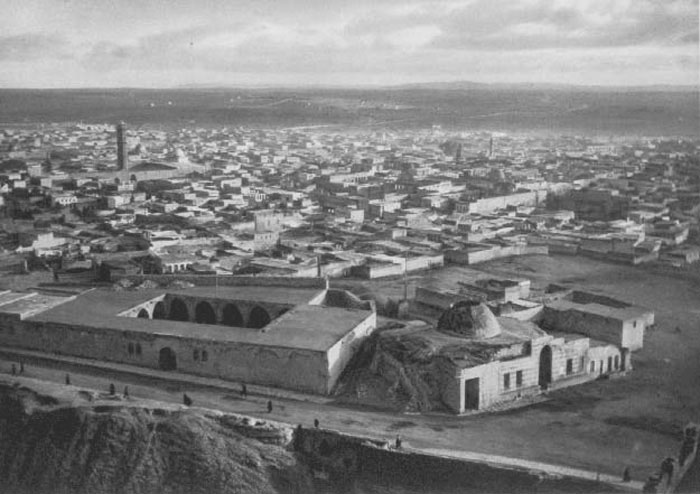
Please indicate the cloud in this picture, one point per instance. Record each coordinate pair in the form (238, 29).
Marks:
(33, 46)
(330, 40)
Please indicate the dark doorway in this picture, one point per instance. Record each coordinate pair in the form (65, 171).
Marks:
(258, 318)
(204, 313)
(232, 316)
(166, 359)
(178, 311)
(143, 314)
(471, 394)
(545, 378)
(159, 311)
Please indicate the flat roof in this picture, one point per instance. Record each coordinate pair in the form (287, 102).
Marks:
(620, 313)
(309, 327)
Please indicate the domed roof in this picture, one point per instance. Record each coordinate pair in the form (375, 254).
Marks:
(470, 320)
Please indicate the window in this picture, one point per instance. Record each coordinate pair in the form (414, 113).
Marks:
(610, 364)
(519, 378)
(506, 380)
(592, 366)
(205, 356)
(617, 362)
(569, 366)
(130, 348)
(582, 365)
(138, 348)
(195, 354)
(634, 324)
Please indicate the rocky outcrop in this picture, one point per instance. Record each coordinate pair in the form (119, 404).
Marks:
(48, 446)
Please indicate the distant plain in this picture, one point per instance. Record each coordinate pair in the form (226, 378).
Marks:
(557, 110)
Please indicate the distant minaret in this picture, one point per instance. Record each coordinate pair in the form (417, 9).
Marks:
(122, 158)
(491, 147)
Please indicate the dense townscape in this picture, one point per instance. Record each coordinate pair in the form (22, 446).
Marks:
(291, 202)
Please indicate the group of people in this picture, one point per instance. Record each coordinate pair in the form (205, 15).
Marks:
(21, 368)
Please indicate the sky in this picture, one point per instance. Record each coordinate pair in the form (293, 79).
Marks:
(172, 43)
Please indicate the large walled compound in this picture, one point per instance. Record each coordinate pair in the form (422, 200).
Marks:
(293, 338)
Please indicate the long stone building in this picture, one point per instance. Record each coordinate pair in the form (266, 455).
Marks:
(299, 339)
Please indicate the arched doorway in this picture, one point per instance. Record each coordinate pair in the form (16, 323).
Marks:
(232, 316)
(258, 318)
(166, 359)
(143, 314)
(178, 311)
(204, 313)
(159, 311)
(545, 378)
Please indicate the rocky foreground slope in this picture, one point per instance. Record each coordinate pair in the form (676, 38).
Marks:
(80, 442)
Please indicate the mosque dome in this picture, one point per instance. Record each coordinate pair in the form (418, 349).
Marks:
(469, 319)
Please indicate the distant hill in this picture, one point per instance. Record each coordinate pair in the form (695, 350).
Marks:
(533, 86)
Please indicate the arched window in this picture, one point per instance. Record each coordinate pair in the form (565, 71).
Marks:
(258, 318)
(204, 313)
(130, 348)
(138, 348)
(232, 316)
(195, 354)
(159, 311)
(178, 311)
(205, 356)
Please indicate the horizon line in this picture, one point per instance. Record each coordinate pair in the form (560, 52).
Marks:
(407, 85)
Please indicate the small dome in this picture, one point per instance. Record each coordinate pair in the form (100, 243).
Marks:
(470, 320)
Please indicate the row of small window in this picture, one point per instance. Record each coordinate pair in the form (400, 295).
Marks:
(613, 364)
(134, 348)
(518, 379)
(202, 355)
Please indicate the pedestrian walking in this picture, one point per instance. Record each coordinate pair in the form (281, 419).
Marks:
(269, 406)
(126, 391)
(398, 441)
(68, 379)
(316, 423)
(186, 400)
(21, 367)
(244, 390)
(112, 389)
(14, 370)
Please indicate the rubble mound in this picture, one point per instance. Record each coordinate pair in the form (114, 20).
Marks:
(469, 320)
(405, 369)
(58, 448)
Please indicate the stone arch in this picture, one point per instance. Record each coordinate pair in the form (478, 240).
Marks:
(143, 314)
(159, 311)
(258, 318)
(545, 374)
(178, 311)
(204, 313)
(167, 359)
(231, 316)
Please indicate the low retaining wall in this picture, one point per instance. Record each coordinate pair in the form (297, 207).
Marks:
(343, 461)
(226, 280)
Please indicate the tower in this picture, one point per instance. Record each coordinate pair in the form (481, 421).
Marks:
(122, 158)
(491, 147)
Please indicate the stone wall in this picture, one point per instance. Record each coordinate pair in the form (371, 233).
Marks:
(303, 370)
(227, 280)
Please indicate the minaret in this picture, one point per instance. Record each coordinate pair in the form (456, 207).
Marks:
(122, 158)
(491, 147)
